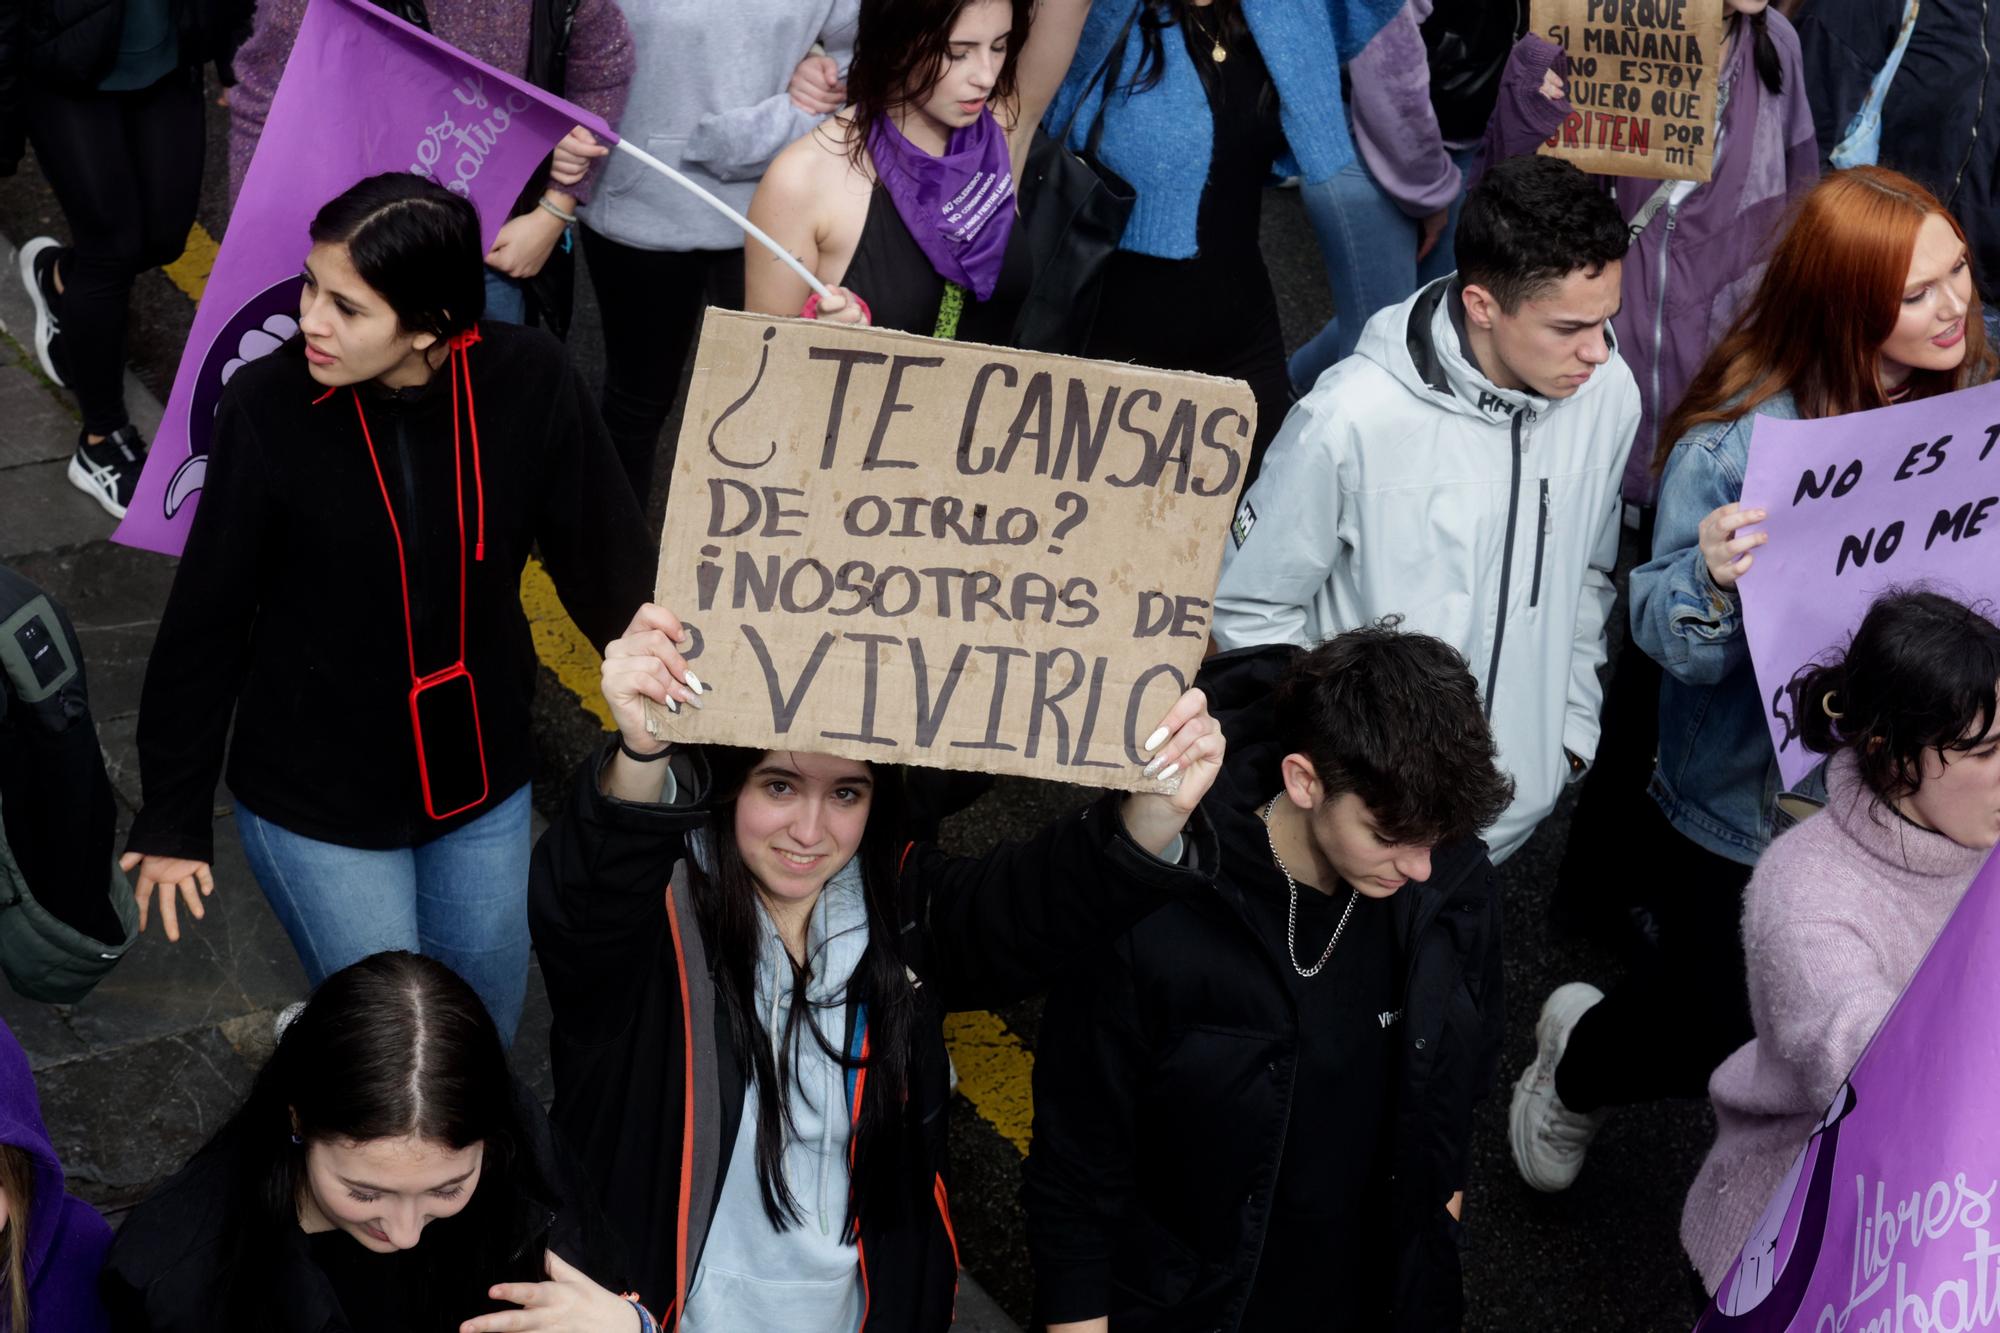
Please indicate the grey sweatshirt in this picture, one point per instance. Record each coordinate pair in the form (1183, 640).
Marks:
(708, 97)
(803, 1279)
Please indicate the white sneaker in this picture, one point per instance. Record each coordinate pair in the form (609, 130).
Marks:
(1548, 1139)
(108, 471)
(37, 263)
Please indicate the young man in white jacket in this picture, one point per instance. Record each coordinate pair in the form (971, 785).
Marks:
(1461, 470)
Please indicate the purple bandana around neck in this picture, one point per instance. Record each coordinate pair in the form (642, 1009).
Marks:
(958, 207)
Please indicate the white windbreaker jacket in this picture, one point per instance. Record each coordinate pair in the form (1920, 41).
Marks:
(1406, 483)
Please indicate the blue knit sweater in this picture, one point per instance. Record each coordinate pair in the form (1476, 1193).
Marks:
(1160, 140)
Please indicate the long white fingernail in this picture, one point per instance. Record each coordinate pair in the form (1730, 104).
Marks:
(694, 682)
(1148, 769)
(672, 705)
(698, 705)
(1154, 741)
(1169, 771)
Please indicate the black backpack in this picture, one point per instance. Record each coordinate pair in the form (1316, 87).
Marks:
(1467, 43)
(66, 912)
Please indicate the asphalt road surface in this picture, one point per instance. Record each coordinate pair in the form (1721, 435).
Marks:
(1602, 1256)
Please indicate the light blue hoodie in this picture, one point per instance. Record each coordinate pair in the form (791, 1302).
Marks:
(802, 1279)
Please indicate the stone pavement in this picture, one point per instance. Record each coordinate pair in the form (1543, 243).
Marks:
(136, 1076)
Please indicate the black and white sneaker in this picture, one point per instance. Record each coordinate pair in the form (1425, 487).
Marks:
(109, 472)
(38, 274)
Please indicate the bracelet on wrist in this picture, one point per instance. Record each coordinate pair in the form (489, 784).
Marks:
(641, 757)
(549, 205)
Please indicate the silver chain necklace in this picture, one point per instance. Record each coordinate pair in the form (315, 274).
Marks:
(1292, 917)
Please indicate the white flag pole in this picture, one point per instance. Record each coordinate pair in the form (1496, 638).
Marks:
(749, 228)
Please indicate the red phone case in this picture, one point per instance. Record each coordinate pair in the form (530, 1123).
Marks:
(426, 684)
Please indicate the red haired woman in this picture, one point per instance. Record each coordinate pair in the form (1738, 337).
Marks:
(1867, 301)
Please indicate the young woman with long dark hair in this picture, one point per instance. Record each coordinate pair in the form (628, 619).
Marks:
(907, 199)
(1842, 908)
(386, 1172)
(749, 964)
(1867, 300)
(350, 592)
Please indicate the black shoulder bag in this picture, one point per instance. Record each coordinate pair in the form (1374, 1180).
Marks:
(1075, 209)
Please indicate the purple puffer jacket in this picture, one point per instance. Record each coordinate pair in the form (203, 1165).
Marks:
(1693, 267)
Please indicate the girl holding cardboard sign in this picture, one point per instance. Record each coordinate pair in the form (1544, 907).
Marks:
(906, 201)
(1867, 300)
(749, 965)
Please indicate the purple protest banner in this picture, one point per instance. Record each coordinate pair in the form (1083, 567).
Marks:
(1886, 1223)
(1859, 503)
(363, 92)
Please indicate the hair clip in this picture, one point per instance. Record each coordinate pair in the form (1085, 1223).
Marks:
(1826, 706)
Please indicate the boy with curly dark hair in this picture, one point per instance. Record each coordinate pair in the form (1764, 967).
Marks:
(1254, 1112)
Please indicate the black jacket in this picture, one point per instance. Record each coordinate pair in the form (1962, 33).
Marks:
(648, 1078)
(1941, 116)
(1163, 1083)
(164, 1273)
(71, 44)
(287, 607)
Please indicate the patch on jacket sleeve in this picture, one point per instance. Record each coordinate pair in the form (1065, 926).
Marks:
(1246, 519)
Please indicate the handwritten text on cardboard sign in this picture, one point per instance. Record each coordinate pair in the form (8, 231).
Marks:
(906, 550)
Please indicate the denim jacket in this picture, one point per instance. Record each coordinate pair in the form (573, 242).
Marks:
(1716, 776)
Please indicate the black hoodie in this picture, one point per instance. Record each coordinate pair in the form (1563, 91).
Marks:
(1165, 1083)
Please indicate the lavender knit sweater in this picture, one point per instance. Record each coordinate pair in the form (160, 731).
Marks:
(495, 31)
(1836, 919)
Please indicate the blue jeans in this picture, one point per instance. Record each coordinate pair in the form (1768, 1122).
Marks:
(506, 299)
(1370, 248)
(461, 899)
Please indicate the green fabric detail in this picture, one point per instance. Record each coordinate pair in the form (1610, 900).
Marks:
(950, 310)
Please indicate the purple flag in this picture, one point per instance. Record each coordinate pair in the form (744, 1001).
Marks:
(1886, 1223)
(1860, 503)
(363, 93)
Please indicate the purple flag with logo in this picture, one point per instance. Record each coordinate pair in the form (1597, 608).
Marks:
(1860, 503)
(363, 93)
(1886, 1223)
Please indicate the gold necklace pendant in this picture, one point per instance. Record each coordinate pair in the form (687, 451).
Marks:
(1219, 54)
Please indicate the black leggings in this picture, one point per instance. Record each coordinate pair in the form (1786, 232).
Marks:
(126, 168)
(651, 302)
(1662, 1031)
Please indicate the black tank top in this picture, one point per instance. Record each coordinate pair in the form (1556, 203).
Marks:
(894, 276)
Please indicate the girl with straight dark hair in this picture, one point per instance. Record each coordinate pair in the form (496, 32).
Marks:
(350, 593)
(386, 1172)
(750, 961)
(1867, 301)
(907, 199)
(1842, 908)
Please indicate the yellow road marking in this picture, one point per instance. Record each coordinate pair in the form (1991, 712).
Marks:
(190, 272)
(560, 644)
(995, 1072)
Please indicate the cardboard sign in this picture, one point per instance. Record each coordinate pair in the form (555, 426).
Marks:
(1900, 496)
(909, 550)
(1642, 77)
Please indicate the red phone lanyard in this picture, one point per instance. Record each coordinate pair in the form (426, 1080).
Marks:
(457, 363)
